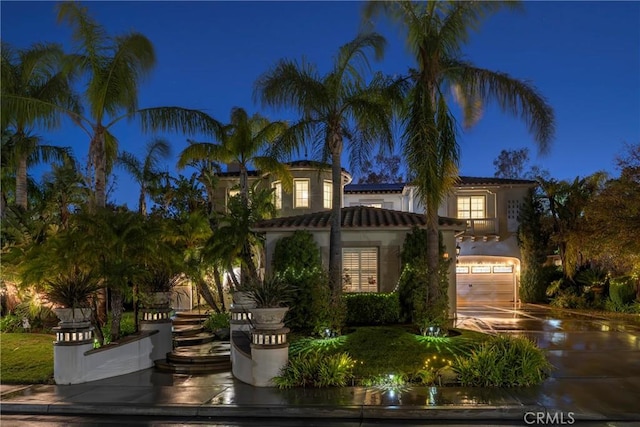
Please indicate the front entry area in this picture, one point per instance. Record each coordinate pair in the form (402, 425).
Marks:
(487, 280)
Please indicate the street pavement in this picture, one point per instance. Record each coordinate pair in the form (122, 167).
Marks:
(596, 378)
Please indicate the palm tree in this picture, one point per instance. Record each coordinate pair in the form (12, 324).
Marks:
(245, 141)
(34, 73)
(335, 108)
(113, 68)
(117, 244)
(566, 202)
(64, 191)
(436, 32)
(146, 172)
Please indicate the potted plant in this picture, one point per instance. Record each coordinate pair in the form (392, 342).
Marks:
(270, 298)
(157, 285)
(72, 293)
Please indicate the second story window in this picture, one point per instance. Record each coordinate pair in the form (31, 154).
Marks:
(300, 193)
(327, 194)
(470, 207)
(277, 194)
(231, 193)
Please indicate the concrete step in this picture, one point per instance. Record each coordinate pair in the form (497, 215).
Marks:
(200, 338)
(203, 353)
(187, 321)
(197, 359)
(187, 368)
(187, 330)
(191, 315)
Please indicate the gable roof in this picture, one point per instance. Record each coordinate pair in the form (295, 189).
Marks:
(357, 217)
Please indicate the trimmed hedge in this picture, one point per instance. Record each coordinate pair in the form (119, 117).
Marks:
(372, 308)
(622, 291)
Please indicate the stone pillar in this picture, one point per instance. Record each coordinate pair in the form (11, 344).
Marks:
(158, 319)
(270, 353)
(240, 312)
(73, 339)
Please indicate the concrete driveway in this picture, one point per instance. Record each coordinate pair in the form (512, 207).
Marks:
(596, 360)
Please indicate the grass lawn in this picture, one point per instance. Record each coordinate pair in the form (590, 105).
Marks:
(26, 358)
(385, 350)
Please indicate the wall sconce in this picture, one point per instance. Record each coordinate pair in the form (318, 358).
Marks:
(457, 254)
(445, 255)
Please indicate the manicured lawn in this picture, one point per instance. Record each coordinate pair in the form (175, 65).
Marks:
(26, 358)
(386, 350)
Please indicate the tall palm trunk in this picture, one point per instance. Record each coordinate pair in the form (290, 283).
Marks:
(21, 182)
(116, 312)
(433, 253)
(205, 292)
(100, 167)
(142, 201)
(335, 234)
(216, 278)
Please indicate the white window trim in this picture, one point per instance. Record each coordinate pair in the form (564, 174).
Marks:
(327, 203)
(277, 194)
(470, 197)
(296, 204)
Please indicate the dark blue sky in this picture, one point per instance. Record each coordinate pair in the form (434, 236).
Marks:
(583, 56)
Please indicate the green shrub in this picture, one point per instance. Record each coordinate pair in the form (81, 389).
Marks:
(11, 323)
(569, 299)
(316, 370)
(503, 361)
(372, 308)
(217, 321)
(298, 251)
(127, 326)
(296, 260)
(309, 308)
(416, 305)
(622, 291)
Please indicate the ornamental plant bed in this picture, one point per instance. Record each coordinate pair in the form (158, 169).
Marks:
(392, 352)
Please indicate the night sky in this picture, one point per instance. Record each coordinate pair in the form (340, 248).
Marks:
(583, 56)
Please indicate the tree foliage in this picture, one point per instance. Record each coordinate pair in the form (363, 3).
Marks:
(383, 169)
(533, 240)
(612, 218)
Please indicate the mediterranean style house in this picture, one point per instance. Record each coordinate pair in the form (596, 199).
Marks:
(478, 221)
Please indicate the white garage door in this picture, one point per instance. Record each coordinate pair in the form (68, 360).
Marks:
(483, 284)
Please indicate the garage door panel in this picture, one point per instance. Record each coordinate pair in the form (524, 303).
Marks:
(484, 288)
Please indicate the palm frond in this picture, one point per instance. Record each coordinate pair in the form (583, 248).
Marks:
(177, 119)
(294, 84)
(204, 150)
(352, 62)
(514, 96)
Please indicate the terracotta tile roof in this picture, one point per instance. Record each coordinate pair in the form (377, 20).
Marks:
(357, 217)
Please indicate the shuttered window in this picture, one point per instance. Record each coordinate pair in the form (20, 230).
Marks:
(360, 269)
